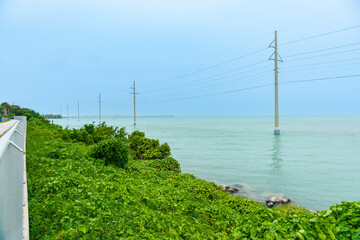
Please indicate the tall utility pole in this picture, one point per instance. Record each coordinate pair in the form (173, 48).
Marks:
(67, 110)
(78, 111)
(276, 56)
(99, 108)
(134, 93)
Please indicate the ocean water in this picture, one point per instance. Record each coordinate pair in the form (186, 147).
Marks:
(315, 161)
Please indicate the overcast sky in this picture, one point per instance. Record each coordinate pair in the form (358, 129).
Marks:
(184, 56)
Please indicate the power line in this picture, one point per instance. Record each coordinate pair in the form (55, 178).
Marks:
(328, 54)
(321, 50)
(320, 35)
(318, 68)
(315, 18)
(246, 79)
(212, 66)
(254, 87)
(205, 79)
(321, 79)
(321, 63)
(201, 80)
(212, 94)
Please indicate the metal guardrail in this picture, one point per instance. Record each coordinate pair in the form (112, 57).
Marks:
(14, 223)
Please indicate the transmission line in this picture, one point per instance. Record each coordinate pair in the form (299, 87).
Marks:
(208, 78)
(323, 55)
(253, 87)
(321, 63)
(320, 35)
(321, 79)
(212, 66)
(246, 79)
(322, 50)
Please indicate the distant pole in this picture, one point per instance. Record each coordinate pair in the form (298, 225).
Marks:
(78, 111)
(134, 93)
(276, 55)
(134, 105)
(277, 130)
(99, 108)
(67, 111)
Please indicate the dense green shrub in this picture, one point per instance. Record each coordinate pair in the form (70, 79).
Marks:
(145, 148)
(166, 164)
(112, 150)
(91, 133)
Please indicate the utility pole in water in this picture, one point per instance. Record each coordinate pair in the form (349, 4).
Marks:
(99, 108)
(134, 93)
(78, 111)
(276, 56)
(67, 110)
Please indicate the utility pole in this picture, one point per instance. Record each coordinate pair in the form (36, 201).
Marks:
(134, 93)
(99, 108)
(276, 59)
(67, 110)
(78, 111)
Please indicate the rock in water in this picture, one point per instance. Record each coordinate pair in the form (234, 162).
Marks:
(277, 200)
(233, 190)
(228, 189)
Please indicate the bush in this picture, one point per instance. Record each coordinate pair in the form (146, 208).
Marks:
(167, 164)
(147, 149)
(91, 133)
(112, 150)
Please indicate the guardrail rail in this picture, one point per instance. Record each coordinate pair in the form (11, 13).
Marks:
(14, 221)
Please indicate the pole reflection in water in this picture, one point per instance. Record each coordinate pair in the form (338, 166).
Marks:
(278, 183)
(277, 161)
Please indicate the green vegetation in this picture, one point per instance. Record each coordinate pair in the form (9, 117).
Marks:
(145, 148)
(74, 195)
(112, 150)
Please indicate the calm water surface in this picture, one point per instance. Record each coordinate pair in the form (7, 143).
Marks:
(315, 161)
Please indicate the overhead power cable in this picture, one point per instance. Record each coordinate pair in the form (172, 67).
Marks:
(209, 78)
(320, 79)
(322, 50)
(254, 87)
(317, 17)
(212, 66)
(212, 94)
(323, 55)
(238, 80)
(320, 35)
(321, 63)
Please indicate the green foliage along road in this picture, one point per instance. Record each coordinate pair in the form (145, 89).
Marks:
(77, 192)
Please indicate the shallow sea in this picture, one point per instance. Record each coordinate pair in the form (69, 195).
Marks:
(315, 161)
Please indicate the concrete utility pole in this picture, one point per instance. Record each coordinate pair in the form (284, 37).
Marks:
(276, 56)
(99, 108)
(67, 111)
(78, 111)
(134, 93)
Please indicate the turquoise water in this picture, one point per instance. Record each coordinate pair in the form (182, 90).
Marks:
(315, 161)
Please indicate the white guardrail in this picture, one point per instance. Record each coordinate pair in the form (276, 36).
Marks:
(14, 221)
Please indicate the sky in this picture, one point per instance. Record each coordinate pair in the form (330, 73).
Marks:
(205, 57)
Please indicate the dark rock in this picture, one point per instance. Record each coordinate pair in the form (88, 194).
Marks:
(277, 201)
(232, 190)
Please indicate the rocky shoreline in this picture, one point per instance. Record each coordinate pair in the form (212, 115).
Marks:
(273, 201)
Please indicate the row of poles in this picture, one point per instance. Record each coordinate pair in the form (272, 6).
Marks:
(275, 56)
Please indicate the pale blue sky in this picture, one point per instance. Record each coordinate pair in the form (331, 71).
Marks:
(55, 52)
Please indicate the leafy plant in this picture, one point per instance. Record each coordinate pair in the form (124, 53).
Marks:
(166, 164)
(91, 133)
(147, 149)
(112, 150)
